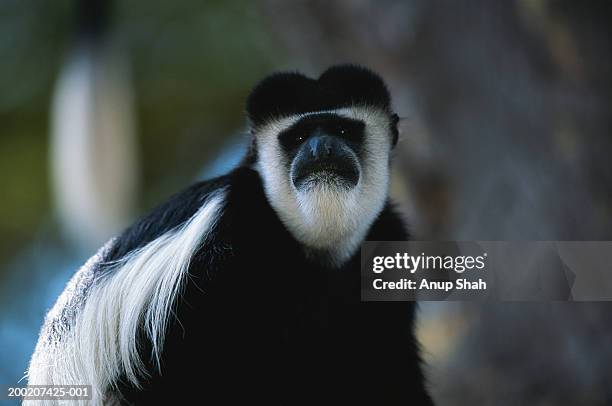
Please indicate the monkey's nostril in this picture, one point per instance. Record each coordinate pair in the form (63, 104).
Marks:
(320, 147)
(313, 146)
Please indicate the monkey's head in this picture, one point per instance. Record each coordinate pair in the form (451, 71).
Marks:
(322, 148)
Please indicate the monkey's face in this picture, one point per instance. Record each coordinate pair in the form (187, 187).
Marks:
(326, 172)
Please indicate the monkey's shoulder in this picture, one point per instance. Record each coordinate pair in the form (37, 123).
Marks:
(166, 217)
(238, 213)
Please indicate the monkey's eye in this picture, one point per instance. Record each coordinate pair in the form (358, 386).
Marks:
(350, 131)
(298, 138)
(293, 138)
(340, 130)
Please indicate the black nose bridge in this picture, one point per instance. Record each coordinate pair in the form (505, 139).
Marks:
(321, 145)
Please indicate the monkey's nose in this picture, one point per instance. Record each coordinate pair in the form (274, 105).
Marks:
(321, 146)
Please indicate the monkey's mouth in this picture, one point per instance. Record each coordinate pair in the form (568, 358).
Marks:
(332, 172)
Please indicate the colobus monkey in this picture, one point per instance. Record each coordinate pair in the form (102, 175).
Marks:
(246, 288)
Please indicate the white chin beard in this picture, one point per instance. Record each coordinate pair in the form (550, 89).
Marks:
(328, 209)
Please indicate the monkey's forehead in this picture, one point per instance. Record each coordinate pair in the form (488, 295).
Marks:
(291, 93)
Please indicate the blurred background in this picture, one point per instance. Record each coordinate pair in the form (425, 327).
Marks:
(108, 107)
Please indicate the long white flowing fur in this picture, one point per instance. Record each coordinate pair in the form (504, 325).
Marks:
(137, 296)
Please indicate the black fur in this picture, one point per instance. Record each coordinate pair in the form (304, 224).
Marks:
(258, 322)
(284, 94)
